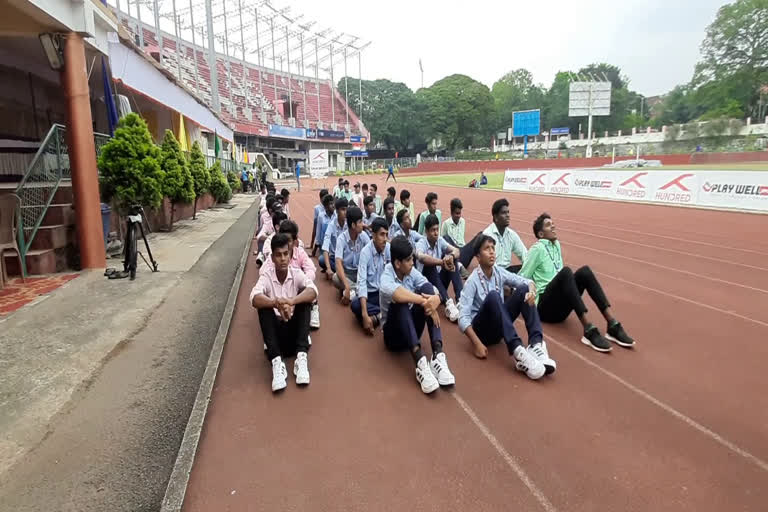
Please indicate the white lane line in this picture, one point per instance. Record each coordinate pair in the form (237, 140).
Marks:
(666, 407)
(651, 264)
(658, 248)
(511, 461)
(690, 301)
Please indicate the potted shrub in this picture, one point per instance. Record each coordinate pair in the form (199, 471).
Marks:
(178, 185)
(220, 189)
(201, 176)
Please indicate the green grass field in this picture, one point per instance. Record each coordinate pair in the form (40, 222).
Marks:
(496, 179)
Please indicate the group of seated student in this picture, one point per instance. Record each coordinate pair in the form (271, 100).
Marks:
(394, 278)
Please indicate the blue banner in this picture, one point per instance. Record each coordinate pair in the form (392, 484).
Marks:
(311, 133)
(560, 131)
(330, 134)
(355, 153)
(359, 139)
(276, 130)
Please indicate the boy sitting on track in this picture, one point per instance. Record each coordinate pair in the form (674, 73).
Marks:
(349, 244)
(369, 213)
(389, 216)
(335, 228)
(559, 289)
(283, 295)
(373, 258)
(507, 241)
(408, 304)
(276, 219)
(437, 262)
(403, 218)
(286, 195)
(486, 317)
(274, 204)
(374, 192)
(453, 230)
(432, 209)
(299, 259)
(324, 219)
(315, 214)
(406, 204)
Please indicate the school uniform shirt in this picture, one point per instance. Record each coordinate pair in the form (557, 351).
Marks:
(295, 283)
(389, 283)
(394, 229)
(358, 199)
(287, 209)
(299, 259)
(266, 227)
(544, 261)
(438, 251)
(455, 231)
(477, 288)
(378, 204)
(316, 211)
(331, 235)
(368, 219)
(323, 221)
(346, 194)
(506, 244)
(423, 218)
(370, 267)
(412, 236)
(349, 250)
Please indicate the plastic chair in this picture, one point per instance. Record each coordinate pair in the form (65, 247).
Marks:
(10, 221)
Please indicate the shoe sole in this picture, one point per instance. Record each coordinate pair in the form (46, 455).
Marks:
(284, 385)
(589, 344)
(549, 368)
(620, 343)
(431, 390)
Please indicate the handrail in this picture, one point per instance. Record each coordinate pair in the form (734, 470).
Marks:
(40, 151)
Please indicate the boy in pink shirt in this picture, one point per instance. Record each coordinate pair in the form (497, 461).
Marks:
(283, 295)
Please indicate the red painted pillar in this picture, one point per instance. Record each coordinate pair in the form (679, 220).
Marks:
(82, 154)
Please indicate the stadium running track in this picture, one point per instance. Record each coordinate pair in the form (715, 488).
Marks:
(679, 423)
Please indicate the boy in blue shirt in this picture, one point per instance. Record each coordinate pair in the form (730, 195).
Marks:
(315, 213)
(373, 258)
(349, 244)
(408, 304)
(487, 318)
(335, 227)
(438, 261)
(324, 218)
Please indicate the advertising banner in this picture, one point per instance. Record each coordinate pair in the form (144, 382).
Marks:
(276, 130)
(743, 190)
(318, 163)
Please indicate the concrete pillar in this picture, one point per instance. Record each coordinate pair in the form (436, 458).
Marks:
(82, 154)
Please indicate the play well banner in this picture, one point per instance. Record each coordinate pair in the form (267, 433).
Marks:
(742, 190)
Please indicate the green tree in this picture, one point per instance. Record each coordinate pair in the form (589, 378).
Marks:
(390, 110)
(234, 181)
(129, 166)
(178, 185)
(459, 110)
(513, 92)
(735, 55)
(555, 113)
(201, 176)
(220, 189)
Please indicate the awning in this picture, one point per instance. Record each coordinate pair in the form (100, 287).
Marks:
(295, 155)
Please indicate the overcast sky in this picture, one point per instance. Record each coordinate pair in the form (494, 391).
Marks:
(655, 42)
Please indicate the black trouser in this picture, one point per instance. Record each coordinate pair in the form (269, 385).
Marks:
(285, 339)
(563, 295)
(442, 279)
(466, 252)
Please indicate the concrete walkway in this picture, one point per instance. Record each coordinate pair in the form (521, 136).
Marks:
(51, 352)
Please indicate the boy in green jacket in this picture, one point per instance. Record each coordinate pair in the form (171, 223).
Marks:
(559, 289)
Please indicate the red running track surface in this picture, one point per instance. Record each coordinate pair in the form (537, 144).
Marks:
(679, 423)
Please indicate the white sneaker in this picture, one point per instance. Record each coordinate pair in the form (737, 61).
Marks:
(314, 317)
(425, 377)
(279, 374)
(527, 362)
(301, 369)
(540, 352)
(440, 368)
(451, 310)
(352, 294)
